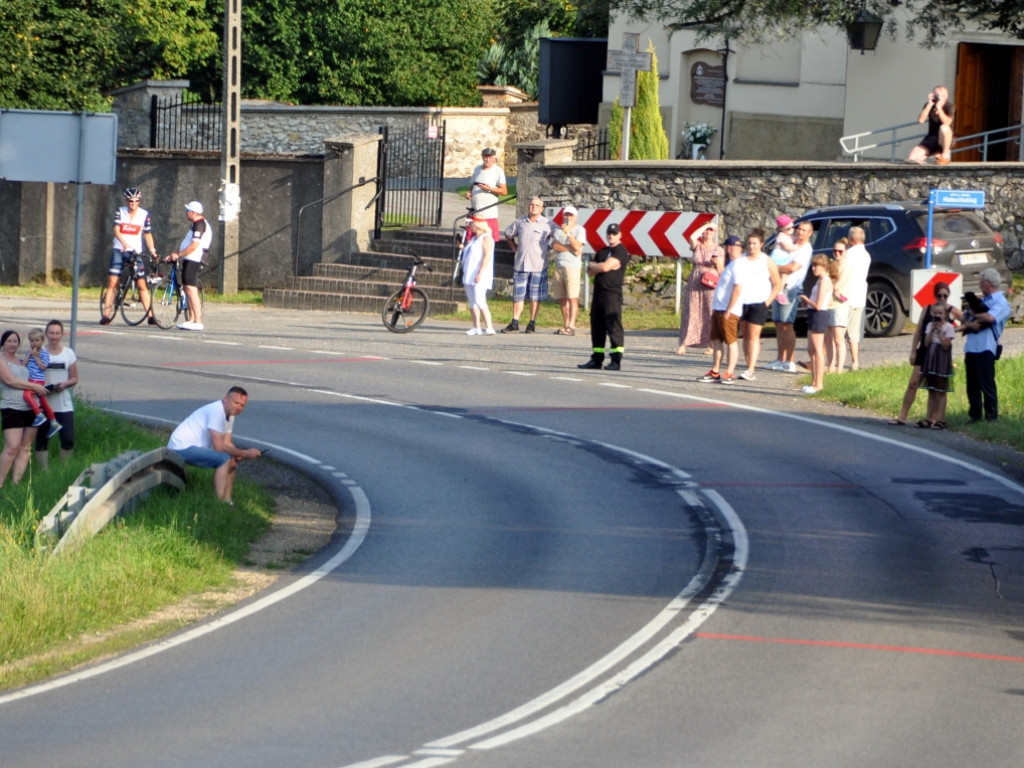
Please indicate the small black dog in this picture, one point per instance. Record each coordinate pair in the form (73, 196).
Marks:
(972, 305)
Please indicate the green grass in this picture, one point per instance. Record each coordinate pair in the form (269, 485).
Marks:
(173, 544)
(881, 390)
(550, 315)
(40, 291)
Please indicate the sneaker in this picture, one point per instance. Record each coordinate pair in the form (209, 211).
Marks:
(512, 327)
(809, 390)
(530, 327)
(489, 332)
(614, 365)
(55, 427)
(727, 378)
(774, 365)
(710, 376)
(789, 367)
(748, 376)
(474, 332)
(195, 326)
(105, 320)
(185, 326)
(39, 420)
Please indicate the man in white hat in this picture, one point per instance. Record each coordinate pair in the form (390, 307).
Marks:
(191, 253)
(567, 243)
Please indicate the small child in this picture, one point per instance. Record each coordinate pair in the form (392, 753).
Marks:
(938, 365)
(37, 361)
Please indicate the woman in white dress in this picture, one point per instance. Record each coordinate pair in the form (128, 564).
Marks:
(478, 276)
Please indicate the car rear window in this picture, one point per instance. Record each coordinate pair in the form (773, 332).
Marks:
(830, 230)
(949, 225)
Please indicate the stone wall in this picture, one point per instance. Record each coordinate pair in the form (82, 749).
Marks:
(749, 194)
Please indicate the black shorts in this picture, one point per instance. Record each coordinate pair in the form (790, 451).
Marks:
(66, 419)
(931, 145)
(817, 320)
(16, 418)
(190, 272)
(755, 314)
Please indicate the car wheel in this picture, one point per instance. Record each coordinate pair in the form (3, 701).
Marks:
(883, 313)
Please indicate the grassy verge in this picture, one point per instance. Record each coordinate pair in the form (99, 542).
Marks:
(550, 316)
(881, 390)
(40, 291)
(173, 544)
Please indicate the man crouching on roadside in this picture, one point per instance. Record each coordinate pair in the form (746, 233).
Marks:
(204, 440)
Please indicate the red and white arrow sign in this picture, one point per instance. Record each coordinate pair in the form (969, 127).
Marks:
(644, 233)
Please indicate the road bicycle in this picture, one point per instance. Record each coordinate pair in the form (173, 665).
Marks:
(127, 296)
(170, 299)
(405, 309)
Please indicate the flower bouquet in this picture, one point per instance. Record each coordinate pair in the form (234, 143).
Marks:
(698, 133)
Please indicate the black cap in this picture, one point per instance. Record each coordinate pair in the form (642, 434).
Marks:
(733, 240)
(489, 151)
(613, 229)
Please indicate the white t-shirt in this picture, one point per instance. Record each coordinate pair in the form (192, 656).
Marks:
(201, 231)
(755, 278)
(58, 372)
(801, 256)
(723, 291)
(194, 432)
(858, 261)
(133, 226)
(492, 177)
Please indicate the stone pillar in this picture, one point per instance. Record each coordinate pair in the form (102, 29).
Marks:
(132, 104)
(347, 222)
(532, 155)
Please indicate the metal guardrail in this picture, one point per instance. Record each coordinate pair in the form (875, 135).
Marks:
(103, 492)
(857, 144)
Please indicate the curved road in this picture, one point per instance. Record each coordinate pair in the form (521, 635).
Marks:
(559, 569)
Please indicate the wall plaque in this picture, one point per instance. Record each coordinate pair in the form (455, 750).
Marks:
(707, 84)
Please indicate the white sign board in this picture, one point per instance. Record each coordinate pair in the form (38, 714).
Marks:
(62, 147)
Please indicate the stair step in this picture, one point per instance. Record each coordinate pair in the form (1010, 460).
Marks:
(382, 275)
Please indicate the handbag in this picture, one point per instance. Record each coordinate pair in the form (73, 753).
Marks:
(709, 279)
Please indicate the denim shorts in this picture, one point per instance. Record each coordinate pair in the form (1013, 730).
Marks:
(203, 457)
(786, 313)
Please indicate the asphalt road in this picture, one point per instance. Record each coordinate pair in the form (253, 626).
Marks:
(537, 566)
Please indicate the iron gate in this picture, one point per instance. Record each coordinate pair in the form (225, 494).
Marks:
(185, 123)
(410, 165)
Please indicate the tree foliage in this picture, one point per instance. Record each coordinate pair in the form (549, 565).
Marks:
(758, 21)
(63, 54)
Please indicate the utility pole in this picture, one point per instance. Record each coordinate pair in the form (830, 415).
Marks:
(230, 191)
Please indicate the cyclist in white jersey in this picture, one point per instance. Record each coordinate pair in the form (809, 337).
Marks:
(131, 227)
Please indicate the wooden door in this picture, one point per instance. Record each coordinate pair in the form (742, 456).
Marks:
(971, 97)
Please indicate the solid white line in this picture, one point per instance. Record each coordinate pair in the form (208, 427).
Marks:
(271, 346)
(359, 531)
(520, 373)
(816, 422)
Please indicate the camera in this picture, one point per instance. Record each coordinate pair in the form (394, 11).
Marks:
(935, 99)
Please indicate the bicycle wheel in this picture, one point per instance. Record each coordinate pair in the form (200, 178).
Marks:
(399, 320)
(166, 305)
(133, 308)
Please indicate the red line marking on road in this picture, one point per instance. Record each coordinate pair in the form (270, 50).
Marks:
(275, 362)
(861, 646)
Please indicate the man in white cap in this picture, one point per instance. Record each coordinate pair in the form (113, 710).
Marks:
(567, 243)
(191, 253)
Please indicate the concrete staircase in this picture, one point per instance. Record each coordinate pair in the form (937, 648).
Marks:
(369, 277)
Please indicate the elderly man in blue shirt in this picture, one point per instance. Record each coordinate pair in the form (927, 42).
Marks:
(982, 339)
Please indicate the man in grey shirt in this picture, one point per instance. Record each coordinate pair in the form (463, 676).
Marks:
(567, 244)
(530, 236)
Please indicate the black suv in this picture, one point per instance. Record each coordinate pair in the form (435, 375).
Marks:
(896, 237)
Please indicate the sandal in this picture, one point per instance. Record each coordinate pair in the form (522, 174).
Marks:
(924, 424)
(896, 423)
(938, 425)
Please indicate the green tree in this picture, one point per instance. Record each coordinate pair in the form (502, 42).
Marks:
(757, 21)
(63, 54)
(647, 137)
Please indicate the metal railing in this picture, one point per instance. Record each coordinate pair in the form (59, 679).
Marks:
(185, 123)
(857, 144)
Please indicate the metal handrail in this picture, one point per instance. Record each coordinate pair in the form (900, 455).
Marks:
(852, 144)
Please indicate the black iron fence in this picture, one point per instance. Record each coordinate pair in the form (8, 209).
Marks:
(185, 123)
(592, 145)
(410, 165)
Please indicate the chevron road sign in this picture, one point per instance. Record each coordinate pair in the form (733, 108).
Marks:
(644, 233)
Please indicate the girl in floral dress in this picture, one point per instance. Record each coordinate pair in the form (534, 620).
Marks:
(695, 326)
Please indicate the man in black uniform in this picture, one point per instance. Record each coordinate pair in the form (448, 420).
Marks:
(609, 272)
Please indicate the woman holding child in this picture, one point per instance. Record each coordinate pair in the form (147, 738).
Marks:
(16, 415)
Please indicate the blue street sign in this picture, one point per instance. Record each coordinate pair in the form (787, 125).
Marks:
(957, 198)
(949, 198)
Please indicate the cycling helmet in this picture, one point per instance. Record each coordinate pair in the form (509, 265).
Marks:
(132, 194)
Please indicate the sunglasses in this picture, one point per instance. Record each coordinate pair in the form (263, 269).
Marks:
(942, 295)
(838, 250)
